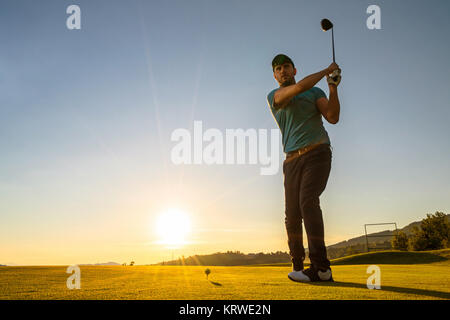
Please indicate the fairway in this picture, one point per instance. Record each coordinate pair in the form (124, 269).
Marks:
(430, 280)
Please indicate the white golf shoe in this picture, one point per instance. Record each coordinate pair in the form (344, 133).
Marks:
(298, 276)
(310, 275)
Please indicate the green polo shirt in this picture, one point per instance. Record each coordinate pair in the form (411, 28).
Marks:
(300, 122)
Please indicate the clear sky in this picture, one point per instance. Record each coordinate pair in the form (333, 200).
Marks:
(86, 118)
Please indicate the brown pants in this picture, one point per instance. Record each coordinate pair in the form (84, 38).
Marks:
(305, 178)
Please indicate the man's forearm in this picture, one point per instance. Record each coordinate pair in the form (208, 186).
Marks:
(311, 80)
(283, 95)
(334, 107)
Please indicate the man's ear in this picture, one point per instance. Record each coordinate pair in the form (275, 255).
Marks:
(295, 71)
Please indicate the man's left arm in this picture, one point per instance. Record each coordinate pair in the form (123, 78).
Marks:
(330, 108)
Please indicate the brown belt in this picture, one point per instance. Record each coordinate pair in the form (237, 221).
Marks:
(297, 153)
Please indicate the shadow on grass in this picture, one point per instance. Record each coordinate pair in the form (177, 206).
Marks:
(422, 292)
(215, 283)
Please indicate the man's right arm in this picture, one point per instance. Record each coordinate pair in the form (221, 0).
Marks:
(283, 95)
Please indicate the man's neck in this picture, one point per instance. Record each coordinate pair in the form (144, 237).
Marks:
(288, 83)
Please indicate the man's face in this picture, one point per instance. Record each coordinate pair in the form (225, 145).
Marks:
(284, 74)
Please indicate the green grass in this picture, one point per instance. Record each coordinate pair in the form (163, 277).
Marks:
(420, 278)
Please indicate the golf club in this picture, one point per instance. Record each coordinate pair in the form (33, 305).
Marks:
(327, 25)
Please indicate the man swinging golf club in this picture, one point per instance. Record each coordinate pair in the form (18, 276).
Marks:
(298, 109)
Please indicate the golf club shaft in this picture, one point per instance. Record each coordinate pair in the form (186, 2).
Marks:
(332, 43)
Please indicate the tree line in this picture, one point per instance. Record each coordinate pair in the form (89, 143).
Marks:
(433, 234)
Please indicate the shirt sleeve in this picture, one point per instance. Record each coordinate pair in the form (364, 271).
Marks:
(271, 99)
(318, 93)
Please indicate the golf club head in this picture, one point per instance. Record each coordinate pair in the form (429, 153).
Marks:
(326, 24)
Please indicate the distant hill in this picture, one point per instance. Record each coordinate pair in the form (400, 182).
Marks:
(102, 264)
(230, 258)
(359, 245)
(10, 264)
(383, 257)
(341, 249)
(394, 257)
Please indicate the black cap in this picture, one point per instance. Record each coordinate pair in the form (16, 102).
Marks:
(281, 59)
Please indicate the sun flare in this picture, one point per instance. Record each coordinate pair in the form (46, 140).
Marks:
(172, 227)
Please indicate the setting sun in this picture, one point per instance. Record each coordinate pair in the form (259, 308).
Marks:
(172, 227)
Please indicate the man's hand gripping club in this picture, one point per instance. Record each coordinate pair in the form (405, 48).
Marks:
(334, 78)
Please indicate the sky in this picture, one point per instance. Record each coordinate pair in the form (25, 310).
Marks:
(86, 118)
